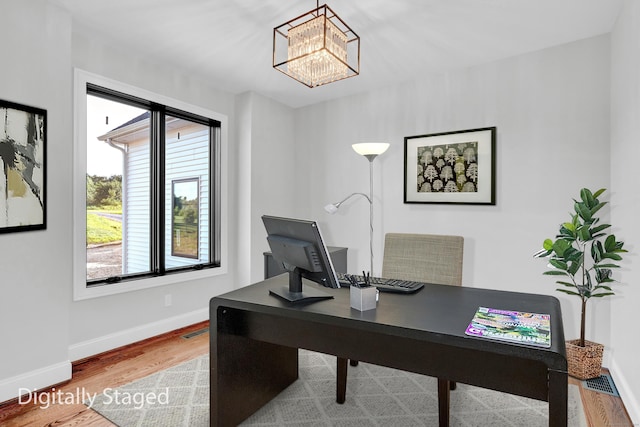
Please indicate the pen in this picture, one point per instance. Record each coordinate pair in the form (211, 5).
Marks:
(353, 281)
(367, 281)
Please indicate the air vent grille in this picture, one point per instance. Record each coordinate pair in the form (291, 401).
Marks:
(195, 333)
(603, 384)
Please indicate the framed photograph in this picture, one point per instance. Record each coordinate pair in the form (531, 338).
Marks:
(23, 136)
(451, 167)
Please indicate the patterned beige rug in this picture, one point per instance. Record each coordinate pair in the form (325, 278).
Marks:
(376, 396)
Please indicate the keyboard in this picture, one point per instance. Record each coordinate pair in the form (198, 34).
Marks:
(383, 285)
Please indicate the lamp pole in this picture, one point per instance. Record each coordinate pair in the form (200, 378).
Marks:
(333, 208)
(370, 150)
(371, 157)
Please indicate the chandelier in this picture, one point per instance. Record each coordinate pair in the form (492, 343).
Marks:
(316, 48)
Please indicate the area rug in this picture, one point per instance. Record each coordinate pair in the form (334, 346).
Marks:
(376, 396)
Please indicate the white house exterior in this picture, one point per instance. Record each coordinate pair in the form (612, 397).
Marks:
(187, 160)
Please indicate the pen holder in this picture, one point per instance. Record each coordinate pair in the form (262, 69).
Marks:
(363, 299)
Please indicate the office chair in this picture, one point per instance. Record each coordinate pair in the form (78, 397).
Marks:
(428, 258)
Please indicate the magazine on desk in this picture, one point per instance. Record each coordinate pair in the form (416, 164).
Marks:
(513, 326)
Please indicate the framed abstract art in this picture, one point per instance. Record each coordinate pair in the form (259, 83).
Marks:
(23, 139)
(451, 167)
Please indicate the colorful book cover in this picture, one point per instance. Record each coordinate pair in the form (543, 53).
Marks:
(512, 326)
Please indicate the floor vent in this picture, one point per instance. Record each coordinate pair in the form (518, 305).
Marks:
(195, 333)
(603, 384)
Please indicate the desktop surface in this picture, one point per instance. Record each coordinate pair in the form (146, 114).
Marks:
(422, 332)
(438, 312)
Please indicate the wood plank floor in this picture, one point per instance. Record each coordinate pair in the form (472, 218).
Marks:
(131, 362)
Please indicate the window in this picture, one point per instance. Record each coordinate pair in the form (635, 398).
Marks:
(153, 193)
(185, 218)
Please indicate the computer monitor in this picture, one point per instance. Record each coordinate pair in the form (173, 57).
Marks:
(299, 246)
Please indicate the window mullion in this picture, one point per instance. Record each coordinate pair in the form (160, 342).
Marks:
(158, 190)
(215, 194)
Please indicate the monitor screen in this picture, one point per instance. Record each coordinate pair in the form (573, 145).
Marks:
(299, 246)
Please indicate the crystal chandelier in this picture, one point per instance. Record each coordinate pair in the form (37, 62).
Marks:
(316, 48)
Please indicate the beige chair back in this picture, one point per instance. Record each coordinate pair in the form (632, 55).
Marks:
(426, 258)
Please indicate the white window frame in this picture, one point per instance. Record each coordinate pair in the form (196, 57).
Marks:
(80, 289)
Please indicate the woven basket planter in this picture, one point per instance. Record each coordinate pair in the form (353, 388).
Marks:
(584, 362)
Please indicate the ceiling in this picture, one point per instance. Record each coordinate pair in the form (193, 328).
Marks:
(229, 43)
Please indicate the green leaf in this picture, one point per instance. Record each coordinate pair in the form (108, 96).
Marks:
(560, 246)
(599, 228)
(555, 273)
(547, 244)
(611, 245)
(596, 208)
(586, 196)
(602, 295)
(599, 192)
(612, 256)
(582, 211)
(572, 254)
(599, 266)
(567, 292)
(568, 284)
(558, 264)
(542, 253)
(584, 233)
(596, 251)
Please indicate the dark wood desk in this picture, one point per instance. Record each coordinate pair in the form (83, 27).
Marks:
(255, 339)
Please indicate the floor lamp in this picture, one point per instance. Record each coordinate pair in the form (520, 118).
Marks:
(370, 150)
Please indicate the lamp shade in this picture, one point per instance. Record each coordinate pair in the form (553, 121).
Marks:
(370, 148)
(331, 208)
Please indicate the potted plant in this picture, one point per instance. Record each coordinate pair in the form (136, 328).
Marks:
(583, 256)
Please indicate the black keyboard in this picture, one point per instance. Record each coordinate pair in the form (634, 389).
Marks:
(383, 285)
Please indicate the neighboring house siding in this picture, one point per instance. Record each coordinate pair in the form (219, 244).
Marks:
(186, 158)
(135, 211)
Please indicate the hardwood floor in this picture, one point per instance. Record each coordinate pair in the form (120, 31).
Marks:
(601, 409)
(134, 361)
(110, 369)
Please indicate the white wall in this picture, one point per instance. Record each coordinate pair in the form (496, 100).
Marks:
(266, 176)
(551, 110)
(43, 328)
(99, 323)
(625, 150)
(35, 265)
(567, 117)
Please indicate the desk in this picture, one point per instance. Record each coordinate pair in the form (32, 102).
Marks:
(255, 339)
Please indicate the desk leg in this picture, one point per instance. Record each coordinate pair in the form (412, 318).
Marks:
(443, 402)
(341, 379)
(558, 395)
(245, 373)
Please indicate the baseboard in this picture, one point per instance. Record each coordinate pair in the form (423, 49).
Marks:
(128, 336)
(630, 400)
(13, 387)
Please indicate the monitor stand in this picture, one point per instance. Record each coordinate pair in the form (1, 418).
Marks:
(294, 293)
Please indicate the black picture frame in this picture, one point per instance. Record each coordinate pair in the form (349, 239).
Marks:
(23, 177)
(451, 167)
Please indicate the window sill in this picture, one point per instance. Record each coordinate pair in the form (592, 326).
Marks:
(82, 292)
